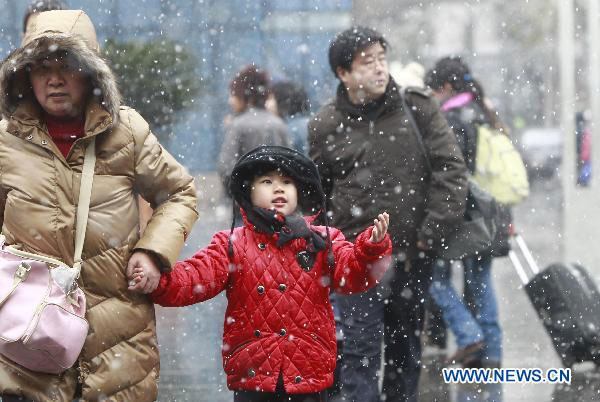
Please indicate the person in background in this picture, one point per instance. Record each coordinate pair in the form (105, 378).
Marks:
(475, 321)
(369, 158)
(252, 125)
(291, 103)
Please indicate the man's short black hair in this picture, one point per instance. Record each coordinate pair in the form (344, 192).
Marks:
(348, 43)
(39, 6)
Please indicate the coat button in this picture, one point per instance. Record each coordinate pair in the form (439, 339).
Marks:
(297, 379)
(44, 142)
(251, 373)
(282, 287)
(30, 137)
(282, 332)
(260, 289)
(262, 246)
(257, 333)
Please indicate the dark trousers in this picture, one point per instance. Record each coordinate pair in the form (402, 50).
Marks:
(435, 327)
(278, 396)
(394, 312)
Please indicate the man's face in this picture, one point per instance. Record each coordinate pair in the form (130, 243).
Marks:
(60, 87)
(368, 76)
(273, 190)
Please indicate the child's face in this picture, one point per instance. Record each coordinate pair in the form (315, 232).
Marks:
(274, 190)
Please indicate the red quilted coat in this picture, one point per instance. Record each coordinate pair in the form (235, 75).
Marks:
(278, 318)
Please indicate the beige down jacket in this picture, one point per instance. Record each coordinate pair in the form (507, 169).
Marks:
(39, 188)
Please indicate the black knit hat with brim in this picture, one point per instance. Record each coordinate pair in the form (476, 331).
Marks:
(300, 168)
(264, 158)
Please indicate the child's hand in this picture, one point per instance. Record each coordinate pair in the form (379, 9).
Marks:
(142, 273)
(380, 227)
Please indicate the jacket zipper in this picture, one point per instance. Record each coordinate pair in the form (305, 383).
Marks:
(371, 127)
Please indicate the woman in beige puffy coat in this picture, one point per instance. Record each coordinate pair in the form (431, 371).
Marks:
(56, 93)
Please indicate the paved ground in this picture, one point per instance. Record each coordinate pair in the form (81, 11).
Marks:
(190, 337)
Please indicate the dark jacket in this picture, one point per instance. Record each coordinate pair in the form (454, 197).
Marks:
(464, 119)
(370, 162)
(279, 319)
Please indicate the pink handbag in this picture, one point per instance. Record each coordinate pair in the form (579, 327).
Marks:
(42, 310)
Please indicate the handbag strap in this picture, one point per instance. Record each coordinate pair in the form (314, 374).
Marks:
(31, 256)
(83, 209)
(20, 276)
(83, 206)
(415, 127)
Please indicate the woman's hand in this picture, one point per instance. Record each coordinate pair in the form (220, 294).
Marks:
(380, 227)
(142, 272)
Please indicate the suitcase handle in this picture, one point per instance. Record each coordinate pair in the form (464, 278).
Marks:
(532, 264)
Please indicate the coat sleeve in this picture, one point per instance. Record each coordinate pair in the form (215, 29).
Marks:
(360, 265)
(446, 195)
(169, 189)
(198, 278)
(229, 153)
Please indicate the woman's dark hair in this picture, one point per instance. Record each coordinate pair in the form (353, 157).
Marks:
(39, 6)
(291, 99)
(348, 43)
(452, 70)
(252, 85)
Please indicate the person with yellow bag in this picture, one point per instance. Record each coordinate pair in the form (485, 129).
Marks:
(495, 166)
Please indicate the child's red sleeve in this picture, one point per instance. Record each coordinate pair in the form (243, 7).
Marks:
(361, 265)
(198, 278)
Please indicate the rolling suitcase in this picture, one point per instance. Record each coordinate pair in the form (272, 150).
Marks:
(567, 301)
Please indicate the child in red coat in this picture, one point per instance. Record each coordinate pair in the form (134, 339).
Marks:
(277, 270)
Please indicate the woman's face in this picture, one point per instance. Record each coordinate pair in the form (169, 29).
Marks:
(60, 87)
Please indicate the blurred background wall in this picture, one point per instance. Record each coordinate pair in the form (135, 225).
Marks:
(510, 45)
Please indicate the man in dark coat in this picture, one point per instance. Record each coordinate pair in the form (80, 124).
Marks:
(370, 159)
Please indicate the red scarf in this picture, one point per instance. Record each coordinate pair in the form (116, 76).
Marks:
(64, 133)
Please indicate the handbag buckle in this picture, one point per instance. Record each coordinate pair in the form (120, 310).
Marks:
(22, 270)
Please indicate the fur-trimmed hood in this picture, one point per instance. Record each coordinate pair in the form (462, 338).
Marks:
(48, 32)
